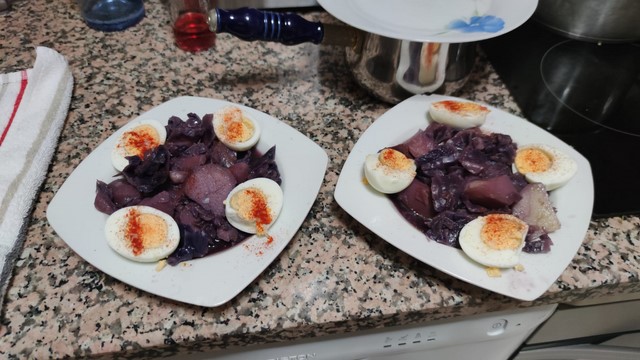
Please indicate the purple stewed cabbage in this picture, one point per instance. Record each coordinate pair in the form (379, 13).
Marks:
(188, 178)
(463, 174)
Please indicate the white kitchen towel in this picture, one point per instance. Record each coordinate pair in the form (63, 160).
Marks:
(33, 106)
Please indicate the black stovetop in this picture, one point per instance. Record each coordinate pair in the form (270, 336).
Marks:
(588, 95)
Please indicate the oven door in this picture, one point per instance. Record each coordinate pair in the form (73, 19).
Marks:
(588, 331)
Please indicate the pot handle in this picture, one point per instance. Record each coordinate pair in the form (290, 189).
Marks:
(252, 24)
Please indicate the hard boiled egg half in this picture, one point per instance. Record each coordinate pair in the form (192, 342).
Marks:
(544, 164)
(235, 129)
(142, 233)
(254, 205)
(138, 137)
(494, 240)
(389, 171)
(459, 114)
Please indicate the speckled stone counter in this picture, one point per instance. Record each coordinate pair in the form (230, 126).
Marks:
(335, 276)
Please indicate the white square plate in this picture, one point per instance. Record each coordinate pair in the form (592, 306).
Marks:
(214, 279)
(574, 203)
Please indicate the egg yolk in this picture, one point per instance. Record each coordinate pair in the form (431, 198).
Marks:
(394, 159)
(144, 231)
(140, 139)
(251, 204)
(532, 160)
(501, 232)
(493, 272)
(461, 107)
(236, 127)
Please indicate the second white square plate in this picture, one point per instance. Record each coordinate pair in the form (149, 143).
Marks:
(574, 203)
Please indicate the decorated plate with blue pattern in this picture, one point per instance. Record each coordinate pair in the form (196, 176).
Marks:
(444, 21)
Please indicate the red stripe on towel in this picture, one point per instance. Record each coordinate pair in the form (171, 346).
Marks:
(23, 85)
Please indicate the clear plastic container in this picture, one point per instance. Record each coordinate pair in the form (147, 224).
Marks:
(111, 15)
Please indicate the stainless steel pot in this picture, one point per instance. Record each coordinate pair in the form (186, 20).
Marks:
(394, 70)
(607, 21)
(391, 69)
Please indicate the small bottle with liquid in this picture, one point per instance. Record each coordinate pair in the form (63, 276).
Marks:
(191, 25)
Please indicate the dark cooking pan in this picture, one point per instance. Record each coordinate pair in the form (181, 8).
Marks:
(607, 21)
(391, 69)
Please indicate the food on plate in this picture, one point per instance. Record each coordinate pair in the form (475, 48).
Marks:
(208, 185)
(460, 175)
(544, 164)
(142, 233)
(494, 240)
(389, 171)
(138, 138)
(494, 192)
(254, 205)
(235, 129)
(536, 208)
(493, 272)
(189, 177)
(459, 114)
(464, 175)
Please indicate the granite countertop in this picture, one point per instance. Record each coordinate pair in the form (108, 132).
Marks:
(335, 276)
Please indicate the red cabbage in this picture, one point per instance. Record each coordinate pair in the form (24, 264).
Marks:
(468, 173)
(188, 178)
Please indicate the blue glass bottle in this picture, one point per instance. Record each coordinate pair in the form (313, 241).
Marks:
(111, 15)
